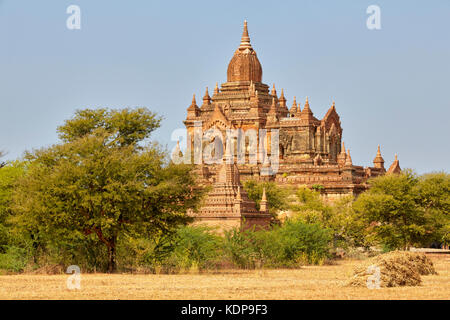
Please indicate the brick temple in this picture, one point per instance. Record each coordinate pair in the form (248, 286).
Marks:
(310, 151)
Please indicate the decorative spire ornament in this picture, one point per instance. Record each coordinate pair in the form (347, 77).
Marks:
(273, 92)
(206, 98)
(282, 99)
(216, 89)
(245, 40)
(378, 162)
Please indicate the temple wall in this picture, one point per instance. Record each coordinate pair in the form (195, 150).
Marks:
(256, 223)
(219, 224)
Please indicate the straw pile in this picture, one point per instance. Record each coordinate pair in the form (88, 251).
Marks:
(397, 268)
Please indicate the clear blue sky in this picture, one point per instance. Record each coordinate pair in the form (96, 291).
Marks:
(391, 86)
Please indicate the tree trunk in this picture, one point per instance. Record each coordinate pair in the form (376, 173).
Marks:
(112, 256)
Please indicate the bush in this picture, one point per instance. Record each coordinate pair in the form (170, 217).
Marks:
(240, 248)
(13, 259)
(186, 248)
(302, 243)
(290, 245)
(338, 217)
(196, 247)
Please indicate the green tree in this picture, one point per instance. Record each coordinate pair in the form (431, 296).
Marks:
(2, 164)
(104, 180)
(337, 216)
(9, 174)
(276, 196)
(433, 196)
(120, 127)
(391, 210)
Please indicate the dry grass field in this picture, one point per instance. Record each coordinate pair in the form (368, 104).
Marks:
(312, 282)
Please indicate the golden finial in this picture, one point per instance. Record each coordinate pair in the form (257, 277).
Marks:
(274, 92)
(216, 89)
(245, 40)
(348, 159)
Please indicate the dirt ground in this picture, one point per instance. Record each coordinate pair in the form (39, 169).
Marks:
(311, 282)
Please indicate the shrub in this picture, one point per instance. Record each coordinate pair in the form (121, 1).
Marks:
(196, 247)
(338, 217)
(290, 245)
(240, 248)
(301, 242)
(13, 259)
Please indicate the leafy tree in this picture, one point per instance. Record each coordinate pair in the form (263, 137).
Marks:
(104, 181)
(391, 210)
(2, 164)
(276, 196)
(433, 196)
(120, 127)
(9, 174)
(337, 216)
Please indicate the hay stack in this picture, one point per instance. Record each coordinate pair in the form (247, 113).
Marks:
(397, 268)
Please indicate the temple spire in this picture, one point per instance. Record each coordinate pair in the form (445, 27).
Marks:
(206, 98)
(193, 108)
(274, 91)
(177, 154)
(216, 89)
(244, 66)
(294, 107)
(245, 40)
(306, 108)
(228, 157)
(342, 156)
(282, 100)
(307, 114)
(272, 114)
(348, 159)
(378, 162)
(395, 166)
(263, 204)
(299, 110)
